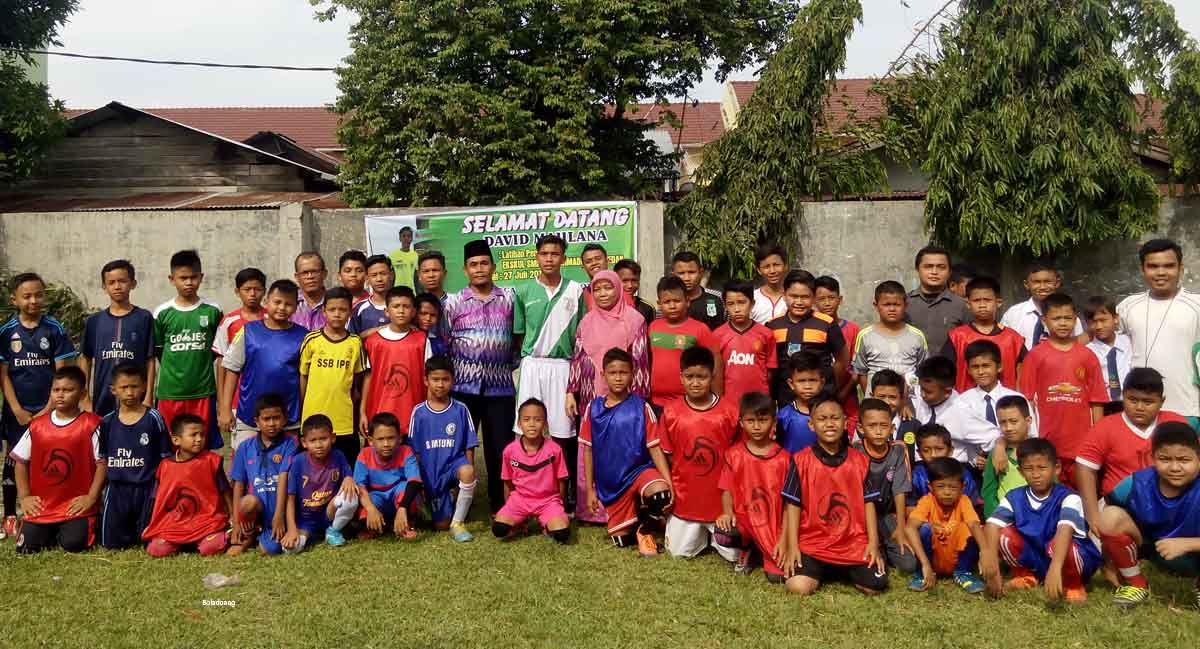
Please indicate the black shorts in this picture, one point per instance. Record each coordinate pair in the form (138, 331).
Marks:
(125, 514)
(74, 535)
(859, 575)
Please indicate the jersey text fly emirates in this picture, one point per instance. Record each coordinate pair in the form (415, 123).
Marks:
(189, 342)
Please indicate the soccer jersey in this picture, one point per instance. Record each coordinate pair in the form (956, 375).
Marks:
(1012, 353)
(829, 491)
(314, 485)
(901, 352)
(441, 438)
(887, 476)
(397, 364)
(111, 339)
(1157, 516)
(188, 503)
(817, 333)
(404, 265)
(61, 456)
(534, 475)
(230, 325)
(133, 451)
(995, 487)
(269, 362)
(619, 438)
(792, 430)
(951, 529)
(331, 366)
(1117, 448)
(696, 440)
(30, 355)
(765, 309)
(667, 342)
(546, 319)
(708, 308)
(1026, 319)
(258, 466)
(377, 474)
(368, 315)
(748, 357)
(183, 341)
(754, 481)
(1063, 385)
(1038, 519)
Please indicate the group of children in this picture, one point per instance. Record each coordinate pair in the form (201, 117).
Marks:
(754, 421)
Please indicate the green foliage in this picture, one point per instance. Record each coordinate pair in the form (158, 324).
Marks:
(61, 302)
(751, 183)
(459, 102)
(1181, 120)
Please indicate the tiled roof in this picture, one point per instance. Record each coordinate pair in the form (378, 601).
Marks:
(848, 95)
(169, 201)
(701, 121)
(312, 127)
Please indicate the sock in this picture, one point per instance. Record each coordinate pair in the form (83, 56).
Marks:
(501, 530)
(1122, 551)
(466, 494)
(344, 512)
(563, 535)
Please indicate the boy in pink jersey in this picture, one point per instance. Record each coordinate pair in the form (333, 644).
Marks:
(535, 478)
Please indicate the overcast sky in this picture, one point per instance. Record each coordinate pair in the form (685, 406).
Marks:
(284, 32)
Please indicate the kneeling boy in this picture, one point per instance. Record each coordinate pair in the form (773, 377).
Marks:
(260, 466)
(321, 496)
(944, 530)
(192, 499)
(442, 433)
(388, 478)
(535, 478)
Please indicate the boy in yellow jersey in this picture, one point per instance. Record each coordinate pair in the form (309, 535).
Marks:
(332, 363)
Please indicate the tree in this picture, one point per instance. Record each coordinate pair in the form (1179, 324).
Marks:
(1028, 122)
(30, 121)
(466, 102)
(752, 181)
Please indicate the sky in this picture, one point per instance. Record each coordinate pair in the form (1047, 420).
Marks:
(285, 32)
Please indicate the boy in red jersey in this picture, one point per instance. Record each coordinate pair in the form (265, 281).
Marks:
(753, 472)
(669, 336)
(829, 519)
(352, 274)
(397, 354)
(747, 348)
(827, 296)
(983, 297)
(1063, 379)
(193, 498)
(59, 471)
(694, 433)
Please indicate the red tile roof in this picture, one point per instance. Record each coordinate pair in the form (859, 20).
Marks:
(847, 94)
(701, 121)
(312, 127)
(168, 201)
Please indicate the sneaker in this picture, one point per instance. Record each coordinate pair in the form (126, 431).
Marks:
(742, 566)
(459, 533)
(408, 534)
(646, 545)
(1076, 595)
(1022, 579)
(334, 537)
(1130, 596)
(917, 582)
(969, 581)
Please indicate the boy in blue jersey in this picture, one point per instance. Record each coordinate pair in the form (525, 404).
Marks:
(443, 435)
(933, 441)
(321, 496)
(122, 332)
(889, 387)
(371, 314)
(264, 357)
(260, 471)
(32, 347)
(388, 479)
(806, 381)
(1155, 513)
(1040, 532)
(133, 439)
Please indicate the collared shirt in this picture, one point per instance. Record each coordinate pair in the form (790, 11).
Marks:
(974, 401)
(310, 316)
(481, 341)
(765, 309)
(969, 435)
(547, 317)
(1024, 318)
(709, 308)
(936, 316)
(1162, 334)
(1124, 361)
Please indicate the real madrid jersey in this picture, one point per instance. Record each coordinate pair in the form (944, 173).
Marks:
(133, 451)
(440, 438)
(183, 340)
(30, 354)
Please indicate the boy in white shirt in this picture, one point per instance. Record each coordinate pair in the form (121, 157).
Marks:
(1111, 347)
(1042, 281)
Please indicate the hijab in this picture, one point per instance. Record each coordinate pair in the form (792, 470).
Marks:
(602, 329)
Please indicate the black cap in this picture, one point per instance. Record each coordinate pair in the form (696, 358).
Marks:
(477, 248)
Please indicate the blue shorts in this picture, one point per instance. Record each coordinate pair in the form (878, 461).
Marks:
(125, 514)
(389, 500)
(1037, 558)
(440, 495)
(265, 541)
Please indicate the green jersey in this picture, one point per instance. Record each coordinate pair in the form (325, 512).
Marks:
(548, 321)
(183, 339)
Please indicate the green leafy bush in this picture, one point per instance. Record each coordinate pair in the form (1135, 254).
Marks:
(61, 302)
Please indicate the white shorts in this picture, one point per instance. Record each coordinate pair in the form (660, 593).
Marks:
(546, 379)
(688, 538)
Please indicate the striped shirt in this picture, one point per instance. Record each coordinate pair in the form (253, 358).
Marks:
(548, 320)
(481, 341)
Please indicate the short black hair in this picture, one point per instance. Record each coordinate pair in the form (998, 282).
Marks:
(378, 259)
(189, 259)
(129, 368)
(937, 368)
(1173, 433)
(739, 286)
(1145, 379)
(308, 254)
(268, 401)
(890, 287)
(316, 422)
(185, 419)
(963, 273)
(765, 250)
(21, 278)
(983, 284)
(535, 402)
(118, 264)
(405, 229)
(249, 275)
(799, 277)
(71, 373)
(888, 378)
(804, 361)
(551, 239)
(671, 283)
(934, 430)
(1036, 446)
(1042, 266)
(593, 247)
(428, 298)
(982, 348)
(430, 255)
(441, 362)
(687, 257)
(829, 283)
(943, 468)
(1014, 401)
(339, 293)
(756, 403)
(382, 419)
(628, 264)
(616, 354)
(1056, 301)
(931, 250)
(1097, 303)
(1159, 245)
(873, 404)
(824, 397)
(353, 255)
(398, 292)
(698, 356)
(286, 287)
